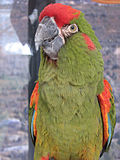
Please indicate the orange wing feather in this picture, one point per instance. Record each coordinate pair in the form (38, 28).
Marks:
(34, 101)
(105, 105)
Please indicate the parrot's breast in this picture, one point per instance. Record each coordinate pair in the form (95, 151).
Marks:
(70, 117)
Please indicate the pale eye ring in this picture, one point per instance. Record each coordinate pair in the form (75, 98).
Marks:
(73, 28)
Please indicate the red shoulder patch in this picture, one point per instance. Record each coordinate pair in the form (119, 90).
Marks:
(35, 96)
(62, 14)
(88, 41)
(34, 101)
(105, 105)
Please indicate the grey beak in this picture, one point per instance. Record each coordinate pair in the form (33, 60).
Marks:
(49, 36)
(47, 29)
(38, 36)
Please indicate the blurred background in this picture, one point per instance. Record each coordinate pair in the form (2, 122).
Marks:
(19, 64)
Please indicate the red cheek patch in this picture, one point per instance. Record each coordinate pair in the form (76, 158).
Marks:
(89, 42)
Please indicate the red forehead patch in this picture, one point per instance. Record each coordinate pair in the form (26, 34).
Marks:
(62, 14)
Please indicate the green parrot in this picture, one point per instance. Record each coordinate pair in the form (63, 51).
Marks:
(72, 112)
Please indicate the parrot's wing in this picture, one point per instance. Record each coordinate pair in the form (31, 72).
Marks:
(33, 112)
(106, 101)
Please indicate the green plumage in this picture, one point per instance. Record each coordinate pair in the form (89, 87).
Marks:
(69, 124)
(86, 28)
(112, 115)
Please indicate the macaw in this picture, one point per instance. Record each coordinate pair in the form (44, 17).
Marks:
(72, 112)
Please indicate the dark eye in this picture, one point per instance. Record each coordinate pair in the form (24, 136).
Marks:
(73, 28)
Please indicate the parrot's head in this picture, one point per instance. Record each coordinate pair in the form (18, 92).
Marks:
(57, 24)
(66, 36)
(55, 27)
